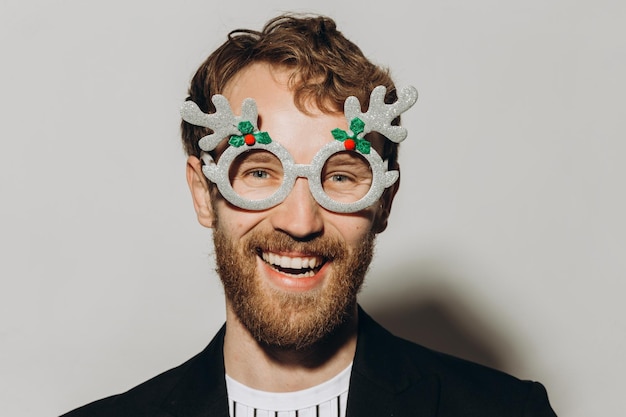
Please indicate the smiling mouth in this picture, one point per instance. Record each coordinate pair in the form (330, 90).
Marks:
(294, 266)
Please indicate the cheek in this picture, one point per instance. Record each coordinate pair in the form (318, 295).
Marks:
(353, 227)
(236, 222)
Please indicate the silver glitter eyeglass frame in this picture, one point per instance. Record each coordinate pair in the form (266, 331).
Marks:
(225, 124)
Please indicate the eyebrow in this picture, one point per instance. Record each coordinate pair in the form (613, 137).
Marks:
(261, 156)
(346, 160)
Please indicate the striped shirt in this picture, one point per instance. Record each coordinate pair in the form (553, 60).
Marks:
(328, 399)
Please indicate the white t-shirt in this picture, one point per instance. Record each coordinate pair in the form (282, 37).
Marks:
(328, 399)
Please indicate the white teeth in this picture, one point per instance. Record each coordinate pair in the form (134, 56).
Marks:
(295, 262)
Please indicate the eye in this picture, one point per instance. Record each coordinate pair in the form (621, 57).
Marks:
(259, 173)
(340, 181)
(346, 176)
(255, 174)
(340, 178)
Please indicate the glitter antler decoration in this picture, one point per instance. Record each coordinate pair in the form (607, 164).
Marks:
(223, 122)
(379, 115)
(243, 130)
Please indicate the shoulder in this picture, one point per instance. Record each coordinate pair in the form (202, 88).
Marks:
(168, 390)
(469, 386)
(143, 399)
(464, 387)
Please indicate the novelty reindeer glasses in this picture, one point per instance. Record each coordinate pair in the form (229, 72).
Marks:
(256, 173)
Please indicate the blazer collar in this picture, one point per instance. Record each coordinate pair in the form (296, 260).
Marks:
(385, 380)
(201, 391)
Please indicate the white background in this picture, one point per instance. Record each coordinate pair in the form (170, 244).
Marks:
(506, 244)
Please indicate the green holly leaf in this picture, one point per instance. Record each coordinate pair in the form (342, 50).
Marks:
(357, 126)
(263, 137)
(236, 141)
(339, 134)
(363, 146)
(245, 127)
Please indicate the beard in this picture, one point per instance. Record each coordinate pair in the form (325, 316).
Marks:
(291, 320)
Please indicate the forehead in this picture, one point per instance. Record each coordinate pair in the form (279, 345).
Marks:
(278, 114)
(272, 88)
(269, 86)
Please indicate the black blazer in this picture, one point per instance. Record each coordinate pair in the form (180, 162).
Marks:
(390, 377)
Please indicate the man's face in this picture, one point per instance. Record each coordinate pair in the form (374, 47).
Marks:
(291, 273)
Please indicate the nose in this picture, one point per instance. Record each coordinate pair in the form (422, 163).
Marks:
(299, 215)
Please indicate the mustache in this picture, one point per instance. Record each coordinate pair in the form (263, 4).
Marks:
(276, 241)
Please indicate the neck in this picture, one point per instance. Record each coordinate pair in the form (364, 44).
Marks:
(280, 369)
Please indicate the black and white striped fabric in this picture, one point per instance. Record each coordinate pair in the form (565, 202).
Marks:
(328, 399)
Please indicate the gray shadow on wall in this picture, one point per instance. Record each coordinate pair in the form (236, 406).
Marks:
(434, 314)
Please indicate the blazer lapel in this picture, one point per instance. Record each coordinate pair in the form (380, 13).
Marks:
(201, 391)
(383, 381)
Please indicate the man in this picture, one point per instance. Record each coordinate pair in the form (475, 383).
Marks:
(288, 172)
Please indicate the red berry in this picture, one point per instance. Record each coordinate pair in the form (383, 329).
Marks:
(249, 139)
(349, 144)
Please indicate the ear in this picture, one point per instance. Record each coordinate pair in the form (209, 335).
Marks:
(384, 206)
(199, 192)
